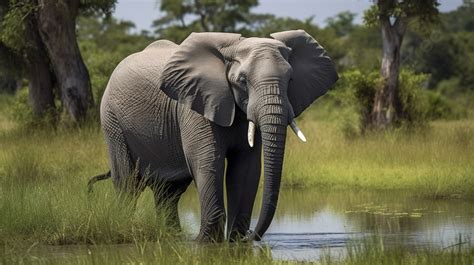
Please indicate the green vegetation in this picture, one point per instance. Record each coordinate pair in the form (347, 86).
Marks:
(371, 251)
(435, 163)
(435, 160)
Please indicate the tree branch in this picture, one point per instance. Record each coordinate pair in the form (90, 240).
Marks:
(202, 15)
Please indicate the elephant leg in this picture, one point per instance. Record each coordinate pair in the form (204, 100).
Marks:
(124, 173)
(242, 179)
(167, 195)
(206, 162)
(209, 184)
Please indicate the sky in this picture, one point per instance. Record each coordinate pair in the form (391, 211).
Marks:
(143, 12)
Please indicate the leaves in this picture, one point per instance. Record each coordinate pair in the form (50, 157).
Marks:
(425, 12)
(181, 17)
(13, 25)
(90, 7)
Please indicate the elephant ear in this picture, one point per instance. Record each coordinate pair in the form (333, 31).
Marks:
(195, 76)
(313, 72)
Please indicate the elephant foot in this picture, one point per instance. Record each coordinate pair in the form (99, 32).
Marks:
(209, 239)
(251, 236)
(211, 235)
(237, 237)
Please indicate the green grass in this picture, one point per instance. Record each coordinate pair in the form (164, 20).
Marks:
(44, 198)
(367, 251)
(434, 162)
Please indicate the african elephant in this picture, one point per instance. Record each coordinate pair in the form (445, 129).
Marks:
(181, 111)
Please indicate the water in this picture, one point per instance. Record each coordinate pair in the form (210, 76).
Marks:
(309, 222)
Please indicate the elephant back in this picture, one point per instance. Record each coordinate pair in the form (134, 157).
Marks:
(150, 62)
(141, 71)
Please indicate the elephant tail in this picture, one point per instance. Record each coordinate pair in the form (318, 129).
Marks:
(94, 179)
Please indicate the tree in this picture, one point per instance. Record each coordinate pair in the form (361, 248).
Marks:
(57, 27)
(342, 23)
(43, 34)
(104, 42)
(182, 17)
(29, 57)
(394, 17)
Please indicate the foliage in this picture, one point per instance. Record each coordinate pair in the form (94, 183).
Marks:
(13, 29)
(13, 25)
(414, 101)
(423, 11)
(355, 92)
(21, 113)
(91, 7)
(185, 16)
(104, 42)
(446, 53)
(8, 83)
(362, 49)
(266, 24)
(342, 23)
(441, 58)
(460, 20)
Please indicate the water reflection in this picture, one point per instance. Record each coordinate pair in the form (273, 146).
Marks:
(308, 222)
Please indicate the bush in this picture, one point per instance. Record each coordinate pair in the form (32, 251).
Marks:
(100, 64)
(21, 113)
(421, 105)
(356, 90)
(413, 99)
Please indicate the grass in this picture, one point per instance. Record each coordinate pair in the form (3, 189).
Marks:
(435, 162)
(44, 200)
(368, 251)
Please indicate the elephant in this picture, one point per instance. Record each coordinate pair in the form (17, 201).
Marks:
(206, 110)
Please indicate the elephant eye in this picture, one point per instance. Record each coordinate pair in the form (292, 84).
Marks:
(242, 79)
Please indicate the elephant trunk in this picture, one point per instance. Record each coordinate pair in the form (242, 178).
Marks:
(272, 120)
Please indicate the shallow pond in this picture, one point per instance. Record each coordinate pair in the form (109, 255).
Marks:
(310, 221)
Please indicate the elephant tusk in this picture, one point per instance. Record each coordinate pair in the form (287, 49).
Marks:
(251, 133)
(297, 131)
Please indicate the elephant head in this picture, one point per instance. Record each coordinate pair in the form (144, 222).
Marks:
(272, 80)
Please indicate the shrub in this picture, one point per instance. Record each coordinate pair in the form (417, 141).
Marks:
(355, 94)
(21, 113)
(413, 99)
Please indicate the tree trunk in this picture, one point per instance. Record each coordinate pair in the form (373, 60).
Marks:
(387, 107)
(39, 75)
(57, 24)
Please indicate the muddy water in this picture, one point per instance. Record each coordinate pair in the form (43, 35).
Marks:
(309, 222)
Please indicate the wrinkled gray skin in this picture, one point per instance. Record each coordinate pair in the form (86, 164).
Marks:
(182, 110)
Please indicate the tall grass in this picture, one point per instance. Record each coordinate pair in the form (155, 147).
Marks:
(367, 251)
(436, 162)
(44, 198)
